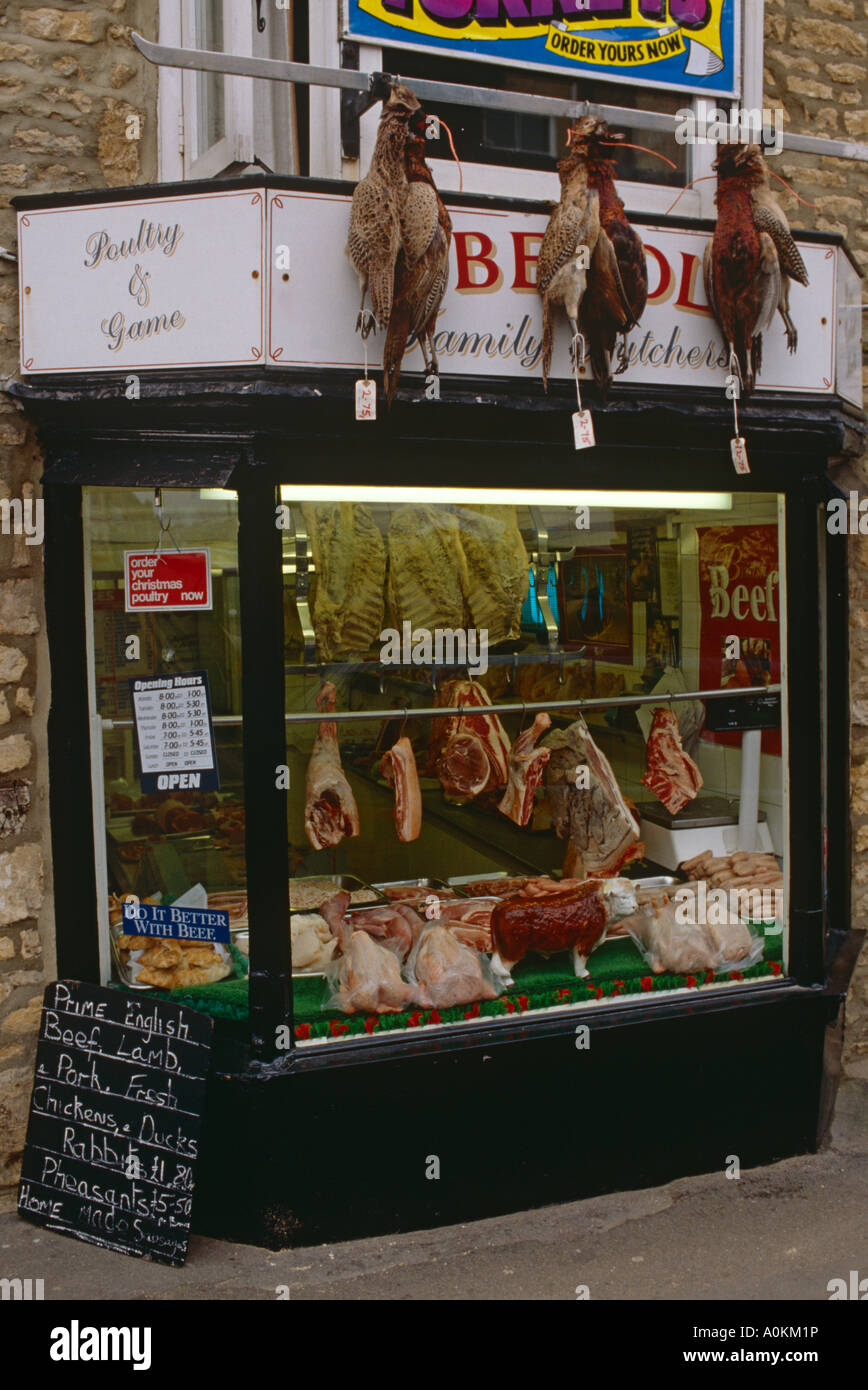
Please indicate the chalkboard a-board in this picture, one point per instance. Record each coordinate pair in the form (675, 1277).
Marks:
(115, 1120)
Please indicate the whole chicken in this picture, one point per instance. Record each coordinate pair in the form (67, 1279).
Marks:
(750, 260)
(422, 267)
(375, 216)
(368, 979)
(587, 244)
(449, 972)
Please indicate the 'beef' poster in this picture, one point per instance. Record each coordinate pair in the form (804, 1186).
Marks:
(739, 592)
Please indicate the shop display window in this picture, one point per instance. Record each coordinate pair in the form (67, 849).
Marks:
(609, 817)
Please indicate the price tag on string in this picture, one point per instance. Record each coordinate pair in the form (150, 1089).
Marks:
(738, 445)
(366, 394)
(739, 455)
(583, 424)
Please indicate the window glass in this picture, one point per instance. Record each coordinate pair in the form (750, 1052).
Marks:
(210, 86)
(591, 629)
(531, 142)
(183, 840)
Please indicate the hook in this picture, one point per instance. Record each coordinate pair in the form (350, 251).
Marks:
(523, 717)
(514, 672)
(434, 678)
(403, 726)
(561, 670)
(382, 687)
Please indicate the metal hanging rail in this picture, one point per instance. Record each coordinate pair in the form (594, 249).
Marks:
(371, 87)
(365, 716)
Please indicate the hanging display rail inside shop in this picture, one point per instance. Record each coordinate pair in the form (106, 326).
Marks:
(422, 718)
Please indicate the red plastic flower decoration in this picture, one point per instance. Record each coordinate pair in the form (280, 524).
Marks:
(510, 1007)
(413, 1020)
(434, 1017)
(472, 1012)
(338, 1028)
(302, 1031)
(647, 983)
(691, 981)
(776, 967)
(522, 1002)
(370, 1025)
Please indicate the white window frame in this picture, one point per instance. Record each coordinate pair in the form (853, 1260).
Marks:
(326, 25)
(177, 91)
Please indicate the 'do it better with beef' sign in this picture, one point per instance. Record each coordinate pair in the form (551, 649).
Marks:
(683, 45)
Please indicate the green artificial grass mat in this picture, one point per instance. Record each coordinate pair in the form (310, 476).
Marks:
(616, 968)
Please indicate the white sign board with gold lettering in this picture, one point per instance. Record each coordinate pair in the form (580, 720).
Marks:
(126, 286)
(491, 321)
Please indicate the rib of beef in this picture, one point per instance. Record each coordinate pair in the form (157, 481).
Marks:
(587, 805)
(330, 810)
(526, 766)
(670, 773)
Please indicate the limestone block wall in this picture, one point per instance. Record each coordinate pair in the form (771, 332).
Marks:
(69, 77)
(816, 71)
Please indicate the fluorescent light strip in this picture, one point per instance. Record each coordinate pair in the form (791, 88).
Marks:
(517, 497)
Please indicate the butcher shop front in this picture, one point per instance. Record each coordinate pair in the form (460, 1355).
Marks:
(514, 772)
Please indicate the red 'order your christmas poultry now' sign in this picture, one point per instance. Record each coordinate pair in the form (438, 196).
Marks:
(165, 581)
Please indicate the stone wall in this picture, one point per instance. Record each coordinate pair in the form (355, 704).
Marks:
(69, 77)
(816, 62)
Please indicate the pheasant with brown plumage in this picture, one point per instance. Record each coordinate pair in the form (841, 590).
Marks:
(375, 216)
(591, 260)
(751, 259)
(422, 266)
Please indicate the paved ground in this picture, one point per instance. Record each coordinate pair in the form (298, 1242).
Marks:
(777, 1233)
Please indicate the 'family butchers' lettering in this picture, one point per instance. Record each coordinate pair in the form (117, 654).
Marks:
(694, 14)
(100, 247)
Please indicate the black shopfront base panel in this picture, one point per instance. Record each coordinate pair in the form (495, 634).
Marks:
(338, 1149)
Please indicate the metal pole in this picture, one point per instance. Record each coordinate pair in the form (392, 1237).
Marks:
(362, 716)
(370, 85)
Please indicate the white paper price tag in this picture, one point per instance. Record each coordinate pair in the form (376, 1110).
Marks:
(739, 455)
(366, 399)
(583, 430)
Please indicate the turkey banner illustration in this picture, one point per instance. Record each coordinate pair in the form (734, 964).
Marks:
(740, 605)
(683, 45)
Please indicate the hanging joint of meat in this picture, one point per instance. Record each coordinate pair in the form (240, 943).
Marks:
(589, 810)
(670, 773)
(330, 811)
(751, 259)
(527, 764)
(375, 216)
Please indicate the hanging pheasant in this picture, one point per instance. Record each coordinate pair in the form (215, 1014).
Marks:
(375, 216)
(751, 259)
(422, 267)
(589, 227)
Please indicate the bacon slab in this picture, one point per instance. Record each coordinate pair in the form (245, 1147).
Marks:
(399, 769)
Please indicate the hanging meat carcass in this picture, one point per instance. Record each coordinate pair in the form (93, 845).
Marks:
(330, 810)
